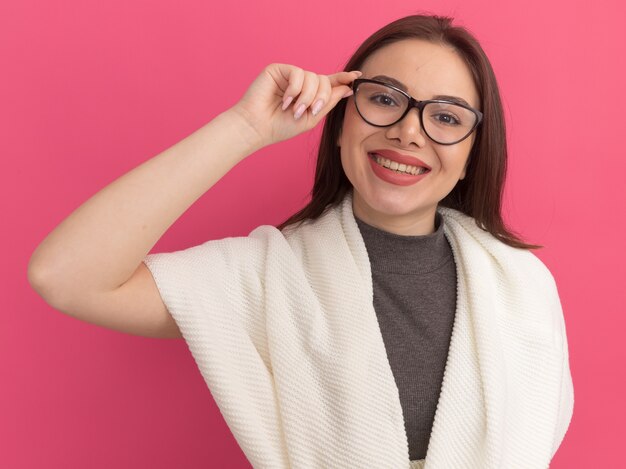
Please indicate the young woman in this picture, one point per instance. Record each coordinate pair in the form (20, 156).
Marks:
(393, 322)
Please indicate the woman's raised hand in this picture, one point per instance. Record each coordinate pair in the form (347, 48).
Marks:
(285, 100)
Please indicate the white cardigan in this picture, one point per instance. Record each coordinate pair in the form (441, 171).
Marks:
(283, 330)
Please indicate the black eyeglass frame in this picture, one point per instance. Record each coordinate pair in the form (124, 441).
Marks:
(420, 105)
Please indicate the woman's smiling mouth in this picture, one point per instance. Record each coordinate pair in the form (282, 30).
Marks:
(400, 173)
(397, 167)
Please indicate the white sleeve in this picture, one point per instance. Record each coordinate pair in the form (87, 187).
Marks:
(216, 294)
(214, 291)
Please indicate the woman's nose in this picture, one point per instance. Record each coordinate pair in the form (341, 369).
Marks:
(408, 130)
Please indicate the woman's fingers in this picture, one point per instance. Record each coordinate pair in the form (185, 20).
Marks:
(316, 91)
(323, 95)
(294, 90)
(307, 93)
(295, 79)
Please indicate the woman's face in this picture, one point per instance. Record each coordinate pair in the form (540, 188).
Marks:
(406, 205)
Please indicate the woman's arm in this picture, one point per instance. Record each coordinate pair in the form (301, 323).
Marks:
(91, 264)
(100, 245)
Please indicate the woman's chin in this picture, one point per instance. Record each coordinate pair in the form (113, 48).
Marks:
(389, 206)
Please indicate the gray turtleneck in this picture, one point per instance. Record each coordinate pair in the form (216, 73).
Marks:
(414, 280)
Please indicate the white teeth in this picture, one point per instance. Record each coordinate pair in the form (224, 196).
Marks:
(398, 167)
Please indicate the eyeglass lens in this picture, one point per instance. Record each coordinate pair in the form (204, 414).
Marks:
(443, 122)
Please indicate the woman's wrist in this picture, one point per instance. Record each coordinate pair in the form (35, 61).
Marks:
(245, 130)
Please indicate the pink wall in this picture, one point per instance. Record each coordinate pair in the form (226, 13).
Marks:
(89, 90)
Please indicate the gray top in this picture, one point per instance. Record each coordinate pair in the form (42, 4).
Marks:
(414, 280)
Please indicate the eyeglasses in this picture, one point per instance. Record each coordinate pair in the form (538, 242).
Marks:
(383, 105)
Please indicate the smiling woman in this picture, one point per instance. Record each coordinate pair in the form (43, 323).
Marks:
(394, 321)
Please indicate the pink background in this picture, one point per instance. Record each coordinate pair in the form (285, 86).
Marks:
(89, 90)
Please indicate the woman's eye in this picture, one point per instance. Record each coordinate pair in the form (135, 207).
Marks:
(448, 119)
(383, 100)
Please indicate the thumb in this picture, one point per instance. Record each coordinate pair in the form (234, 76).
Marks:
(344, 78)
(342, 85)
(338, 93)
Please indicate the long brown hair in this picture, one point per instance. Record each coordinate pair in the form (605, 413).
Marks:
(479, 194)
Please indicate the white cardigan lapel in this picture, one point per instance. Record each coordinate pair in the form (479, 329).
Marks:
(501, 390)
(502, 383)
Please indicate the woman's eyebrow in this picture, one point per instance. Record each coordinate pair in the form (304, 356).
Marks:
(391, 81)
(402, 86)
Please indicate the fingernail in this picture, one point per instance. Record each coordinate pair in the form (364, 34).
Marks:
(317, 107)
(299, 111)
(349, 93)
(287, 102)
(357, 71)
